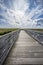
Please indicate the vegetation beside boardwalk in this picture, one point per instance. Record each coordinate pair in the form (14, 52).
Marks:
(41, 30)
(6, 30)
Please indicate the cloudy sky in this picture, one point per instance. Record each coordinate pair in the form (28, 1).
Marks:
(21, 13)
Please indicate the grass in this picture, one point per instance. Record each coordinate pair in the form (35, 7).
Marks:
(6, 30)
(40, 30)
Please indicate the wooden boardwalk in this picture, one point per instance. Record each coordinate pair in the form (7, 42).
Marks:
(25, 51)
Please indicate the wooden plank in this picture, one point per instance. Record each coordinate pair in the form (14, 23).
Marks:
(25, 51)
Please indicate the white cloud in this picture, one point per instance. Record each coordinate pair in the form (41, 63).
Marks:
(17, 15)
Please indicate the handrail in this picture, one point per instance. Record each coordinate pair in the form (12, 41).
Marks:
(38, 36)
(6, 42)
(8, 33)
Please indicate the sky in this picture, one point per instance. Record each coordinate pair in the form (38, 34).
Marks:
(21, 13)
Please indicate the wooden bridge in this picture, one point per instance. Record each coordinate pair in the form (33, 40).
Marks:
(25, 51)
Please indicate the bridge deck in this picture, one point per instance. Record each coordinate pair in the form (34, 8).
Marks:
(25, 51)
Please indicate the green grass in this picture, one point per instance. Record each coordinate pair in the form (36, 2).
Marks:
(40, 30)
(6, 30)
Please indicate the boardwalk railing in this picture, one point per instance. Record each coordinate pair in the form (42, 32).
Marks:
(36, 35)
(6, 42)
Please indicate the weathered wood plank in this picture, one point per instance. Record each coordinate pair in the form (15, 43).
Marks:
(25, 51)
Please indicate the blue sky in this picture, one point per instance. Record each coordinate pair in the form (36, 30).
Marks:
(21, 13)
